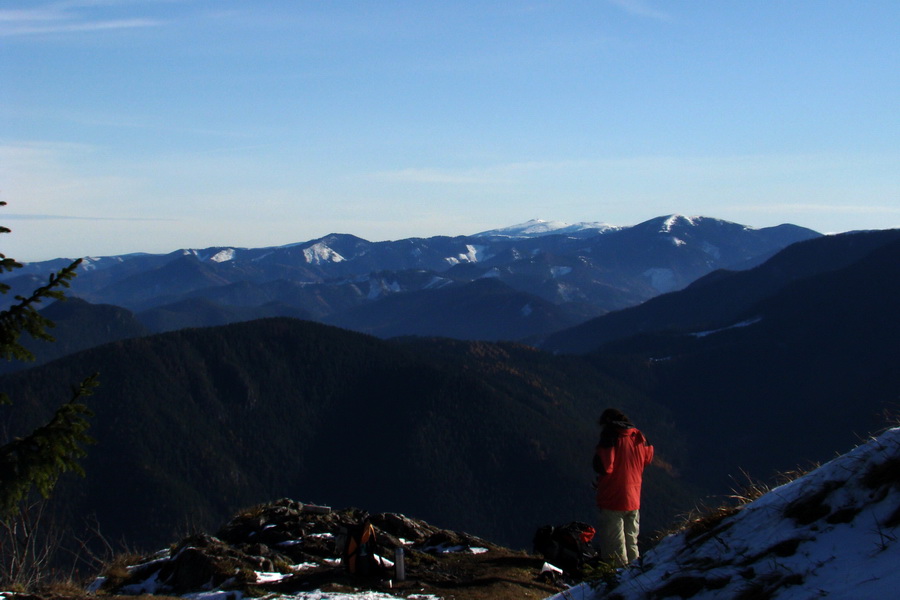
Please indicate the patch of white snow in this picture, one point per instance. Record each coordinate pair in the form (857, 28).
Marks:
(223, 255)
(541, 227)
(474, 253)
(269, 577)
(662, 280)
(320, 253)
(746, 323)
(674, 220)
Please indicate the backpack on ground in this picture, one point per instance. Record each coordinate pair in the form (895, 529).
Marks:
(359, 556)
(566, 546)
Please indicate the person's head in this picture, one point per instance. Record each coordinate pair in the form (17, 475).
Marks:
(613, 416)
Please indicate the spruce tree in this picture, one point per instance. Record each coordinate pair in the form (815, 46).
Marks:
(35, 462)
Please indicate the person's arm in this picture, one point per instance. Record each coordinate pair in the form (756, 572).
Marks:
(646, 449)
(604, 459)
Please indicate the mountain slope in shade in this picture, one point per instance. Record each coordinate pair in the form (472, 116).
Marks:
(198, 312)
(720, 298)
(830, 533)
(78, 325)
(789, 378)
(485, 309)
(493, 439)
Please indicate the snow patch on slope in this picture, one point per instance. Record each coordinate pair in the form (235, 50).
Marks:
(320, 253)
(662, 280)
(746, 323)
(674, 220)
(380, 287)
(223, 255)
(474, 253)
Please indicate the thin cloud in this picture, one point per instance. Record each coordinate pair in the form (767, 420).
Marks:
(36, 217)
(640, 8)
(63, 18)
(23, 30)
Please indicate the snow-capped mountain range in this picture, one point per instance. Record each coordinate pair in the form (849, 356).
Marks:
(550, 274)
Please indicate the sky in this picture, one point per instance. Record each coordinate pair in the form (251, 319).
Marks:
(154, 125)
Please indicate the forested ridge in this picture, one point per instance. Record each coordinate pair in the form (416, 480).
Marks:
(495, 439)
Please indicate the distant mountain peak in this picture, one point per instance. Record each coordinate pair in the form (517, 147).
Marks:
(676, 219)
(541, 227)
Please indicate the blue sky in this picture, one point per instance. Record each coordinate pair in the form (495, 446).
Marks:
(153, 125)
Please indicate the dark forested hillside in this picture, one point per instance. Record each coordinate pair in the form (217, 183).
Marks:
(719, 298)
(485, 309)
(794, 376)
(78, 325)
(487, 438)
(815, 366)
(200, 312)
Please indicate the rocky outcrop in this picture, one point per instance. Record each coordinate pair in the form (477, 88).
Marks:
(285, 546)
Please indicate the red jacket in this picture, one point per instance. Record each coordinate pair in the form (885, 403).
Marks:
(620, 459)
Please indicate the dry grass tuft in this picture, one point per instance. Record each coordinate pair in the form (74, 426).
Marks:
(116, 570)
(705, 519)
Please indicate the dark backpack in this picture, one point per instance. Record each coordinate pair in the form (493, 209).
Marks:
(359, 556)
(566, 546)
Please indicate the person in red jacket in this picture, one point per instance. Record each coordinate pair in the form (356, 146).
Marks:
(619, 461)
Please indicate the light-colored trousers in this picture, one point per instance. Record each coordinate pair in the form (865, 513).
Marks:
(618, 531)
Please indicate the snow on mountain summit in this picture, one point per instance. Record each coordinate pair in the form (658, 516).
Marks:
(540, 227)
(674, 220)
(320, 253)
(832, 532)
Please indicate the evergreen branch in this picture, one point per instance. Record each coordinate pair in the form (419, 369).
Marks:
(37, 460)
(24, 316)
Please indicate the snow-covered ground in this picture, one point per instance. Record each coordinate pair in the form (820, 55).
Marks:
(830, 533)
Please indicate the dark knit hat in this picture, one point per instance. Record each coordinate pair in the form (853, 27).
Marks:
(613, 415)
